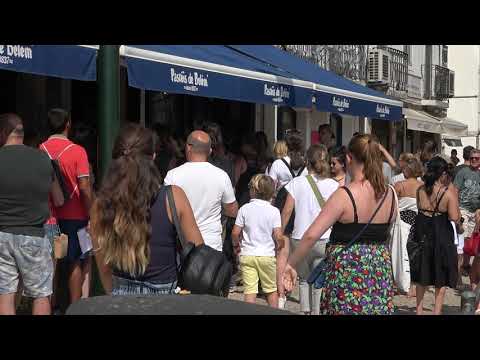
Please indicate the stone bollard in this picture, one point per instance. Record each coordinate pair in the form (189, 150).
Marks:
(468, 301)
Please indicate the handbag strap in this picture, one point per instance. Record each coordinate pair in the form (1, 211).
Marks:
(173, 210)
(357, 236)
(318, 195)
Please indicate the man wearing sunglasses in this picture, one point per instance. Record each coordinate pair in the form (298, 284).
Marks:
(467, 181)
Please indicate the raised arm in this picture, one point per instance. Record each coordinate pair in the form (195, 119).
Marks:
(391, 161)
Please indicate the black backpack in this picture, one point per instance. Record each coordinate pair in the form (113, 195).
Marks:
(281, 198)
(67, 194)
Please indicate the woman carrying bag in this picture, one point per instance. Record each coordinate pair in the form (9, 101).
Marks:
(308, 194)
(132, 226)
(357, 273)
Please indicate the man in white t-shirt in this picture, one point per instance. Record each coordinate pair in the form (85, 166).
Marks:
(207, 188)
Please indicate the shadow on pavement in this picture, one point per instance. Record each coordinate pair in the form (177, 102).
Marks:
(447, 310)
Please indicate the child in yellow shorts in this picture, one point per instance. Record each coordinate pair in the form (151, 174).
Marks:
(257, 236)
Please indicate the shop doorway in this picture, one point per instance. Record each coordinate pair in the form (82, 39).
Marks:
(286, 119)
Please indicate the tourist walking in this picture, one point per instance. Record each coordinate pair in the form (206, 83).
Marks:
(307, 194)
(433, 255)
(26, 253)
(257, 236)
(133, 232)
(338, 164)
(467, 182)
(359, 278)
(208, 188)
(74, 214)
(407, 197)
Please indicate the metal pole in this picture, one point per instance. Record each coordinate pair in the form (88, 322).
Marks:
(108, 82)
(275, 123)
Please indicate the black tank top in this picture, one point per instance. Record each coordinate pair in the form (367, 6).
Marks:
(162, 268)
(373, 234)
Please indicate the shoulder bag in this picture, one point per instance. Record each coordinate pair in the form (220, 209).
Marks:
(202, 269)
(318, 195)
(319, 274)
(398, 248)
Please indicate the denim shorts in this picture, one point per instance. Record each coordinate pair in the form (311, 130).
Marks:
(71, 228)
(121, 286)
(30, 258)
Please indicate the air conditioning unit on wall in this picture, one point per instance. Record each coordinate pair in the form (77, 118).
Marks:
(378, 66)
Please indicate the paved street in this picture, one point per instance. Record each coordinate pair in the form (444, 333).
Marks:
(404, 305)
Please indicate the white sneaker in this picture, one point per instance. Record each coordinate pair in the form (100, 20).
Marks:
(281, 302)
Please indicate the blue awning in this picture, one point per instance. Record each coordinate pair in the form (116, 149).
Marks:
(213, 71)
(333, 93)
(76, 62)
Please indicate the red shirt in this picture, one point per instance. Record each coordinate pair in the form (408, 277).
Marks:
(74, 165)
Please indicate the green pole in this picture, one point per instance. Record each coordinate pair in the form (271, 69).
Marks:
(108, 82)
(108, 79)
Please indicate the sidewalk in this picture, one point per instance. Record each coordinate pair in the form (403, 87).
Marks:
(403, 304)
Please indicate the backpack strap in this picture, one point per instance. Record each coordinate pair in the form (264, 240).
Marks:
(318, 195)
(66, 148)
(288, 166)
(300, 171)
(44, 148)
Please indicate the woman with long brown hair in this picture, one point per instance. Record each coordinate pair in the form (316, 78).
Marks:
(359, 276)
(132, 228)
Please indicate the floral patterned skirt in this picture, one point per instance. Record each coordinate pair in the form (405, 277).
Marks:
(358, 281)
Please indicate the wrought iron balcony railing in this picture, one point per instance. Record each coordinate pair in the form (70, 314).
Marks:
(349, 61)
(398, 70)
(441, 84)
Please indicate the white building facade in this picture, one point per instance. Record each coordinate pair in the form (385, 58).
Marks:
(418, 75)
(465, 106)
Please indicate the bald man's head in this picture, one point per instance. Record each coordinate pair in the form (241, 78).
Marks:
(199, 143)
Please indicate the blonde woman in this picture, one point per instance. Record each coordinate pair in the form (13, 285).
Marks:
(280, 150)
(302, 198)
(133, 234)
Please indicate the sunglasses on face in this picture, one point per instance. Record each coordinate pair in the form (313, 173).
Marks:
(475, 158)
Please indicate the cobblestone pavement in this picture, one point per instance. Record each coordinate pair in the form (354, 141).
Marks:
(403, 304)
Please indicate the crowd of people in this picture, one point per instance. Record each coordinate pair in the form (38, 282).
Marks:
(276, 213)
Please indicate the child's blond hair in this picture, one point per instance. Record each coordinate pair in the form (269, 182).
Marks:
(263, 187)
